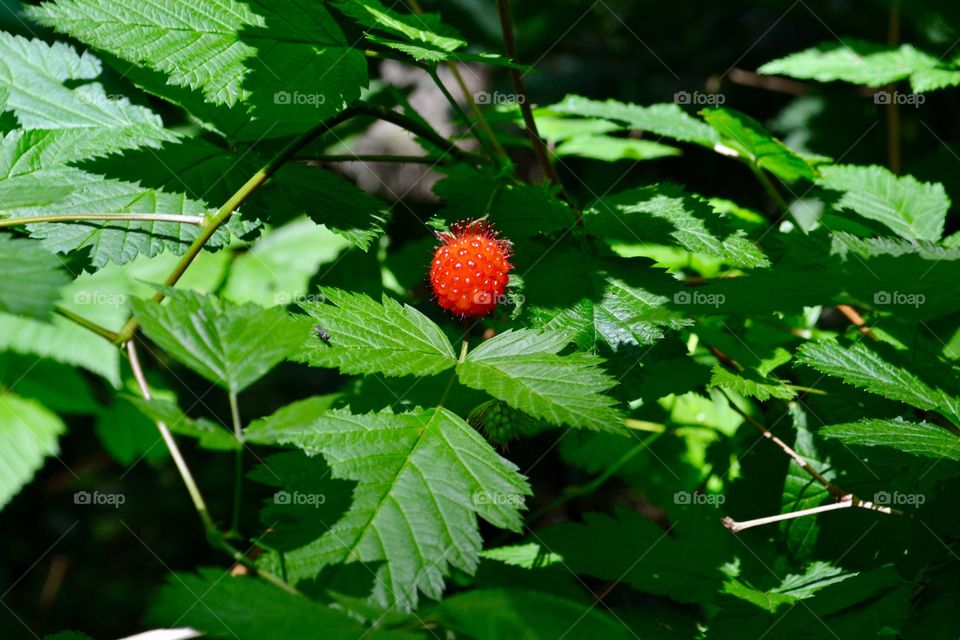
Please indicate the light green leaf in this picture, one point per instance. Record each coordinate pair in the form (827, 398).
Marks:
(865, 63)
(912, 209)
(230, 345)
(793, 588)
(32, 278)
(610, 149)
(35, 180)
(292, 64)
(424, 477)
(667, 120)
(34, 74)
(862, 367)
(367, 336)
(276, 270)
(522, 368)
(664, 214)
(918, 438)
(528, 556)
(28, 434)
(752, 141)
(425, 29)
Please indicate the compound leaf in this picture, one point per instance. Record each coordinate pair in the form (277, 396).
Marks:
(423, 478)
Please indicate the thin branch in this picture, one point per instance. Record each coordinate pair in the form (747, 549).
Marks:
(856, 319)
(198, 502)
(214, 536)
(837, 493)
(113, 217)
(539, 148)
(847, 502)
(90, 325)
(475, 108)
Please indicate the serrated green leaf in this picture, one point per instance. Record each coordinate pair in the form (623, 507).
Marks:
(800, 491)
(917, 438)
(528, 556)
(659, 119)
(912, 209)
(367, 336)
(32, 278)
(793, 587)
(307, 502)
(246, 607)
(752, 141)
(28, 434)
(424, 477)
(864, 368)
(230, 345)
(866, 63)
(516, 210)
(36, 180)
(522, 368)
(424, 28)
(34, 77)
(666, 215)
(292, 66)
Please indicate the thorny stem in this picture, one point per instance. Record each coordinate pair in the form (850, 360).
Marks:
(214, 536)
(238, 468)
(113, 217)
(837, 493)
(539, 148)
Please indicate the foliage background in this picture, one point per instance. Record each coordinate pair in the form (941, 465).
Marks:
(67, 566)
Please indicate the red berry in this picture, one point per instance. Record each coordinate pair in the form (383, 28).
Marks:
(469, 269)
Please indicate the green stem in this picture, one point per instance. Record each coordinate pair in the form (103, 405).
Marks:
(214, 536)
(114, 217)
(103, 332)
(238, 467)
(477, 111)
(223, 214)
